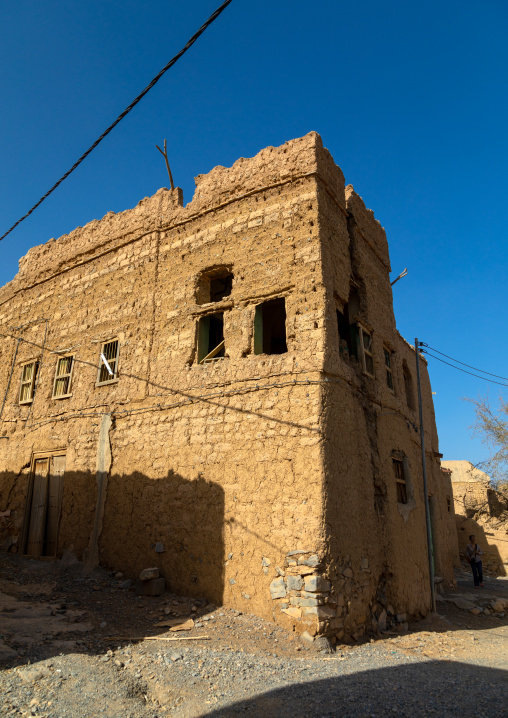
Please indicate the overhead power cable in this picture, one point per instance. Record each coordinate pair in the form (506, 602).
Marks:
(492, 381)
(482, 371)
(120, 117)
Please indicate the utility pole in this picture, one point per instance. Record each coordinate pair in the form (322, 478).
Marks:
(425, 490)
(165, 155)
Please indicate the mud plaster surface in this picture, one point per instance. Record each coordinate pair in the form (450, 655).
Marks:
(233, 465)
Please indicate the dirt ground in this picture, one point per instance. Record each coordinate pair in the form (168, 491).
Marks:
(78, 645)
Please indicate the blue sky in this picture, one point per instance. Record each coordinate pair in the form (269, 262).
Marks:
(409, 98)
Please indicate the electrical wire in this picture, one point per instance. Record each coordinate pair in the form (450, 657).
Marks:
(492, 381)
(120, 117)
(463, 364)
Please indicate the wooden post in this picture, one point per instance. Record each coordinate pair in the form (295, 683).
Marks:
(165, 155)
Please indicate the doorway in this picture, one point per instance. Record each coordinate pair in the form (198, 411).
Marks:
(44, 506)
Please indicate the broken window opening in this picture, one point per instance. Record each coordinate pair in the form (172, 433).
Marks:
(345, 343)
(270, 327)
(449, 504)
(349, 333)
(398, 470)
(211, 343)
(108, 370)
(388, 368)
(63, 374)
(408, 386)
(28, 378)
(220, 287)
(214, 285)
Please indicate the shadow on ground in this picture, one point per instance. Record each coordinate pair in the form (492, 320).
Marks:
(435, 688)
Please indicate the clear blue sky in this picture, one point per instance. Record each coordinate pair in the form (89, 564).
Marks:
(410, 98)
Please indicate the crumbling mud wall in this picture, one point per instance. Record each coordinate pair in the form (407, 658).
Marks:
(263, 477)
(482, 511)
(371, 423)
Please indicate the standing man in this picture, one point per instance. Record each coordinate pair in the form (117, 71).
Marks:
(474, 556)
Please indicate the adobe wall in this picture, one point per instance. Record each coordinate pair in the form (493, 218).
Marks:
(482, 511)
(367, 425)
(261, 481)
(219, 464)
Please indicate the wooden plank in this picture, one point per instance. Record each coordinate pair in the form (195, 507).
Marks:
(55, 493)
(214, 352)
(35, 544)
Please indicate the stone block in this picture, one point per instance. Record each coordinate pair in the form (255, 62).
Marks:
(148, 573)
(312, 561)
(348, 573)
(309, 601)
(313, 594)
(293, 611)
(401, 617)
(463, 603)
(294, 583)
(277, 588)
(317, 583)
(152, 587)
(320, 611)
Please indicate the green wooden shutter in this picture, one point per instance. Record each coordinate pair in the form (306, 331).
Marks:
(203, 337)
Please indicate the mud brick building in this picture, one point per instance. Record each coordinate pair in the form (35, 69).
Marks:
(481, 510)
(219, 389)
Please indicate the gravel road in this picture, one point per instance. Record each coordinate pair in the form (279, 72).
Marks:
(60, 660)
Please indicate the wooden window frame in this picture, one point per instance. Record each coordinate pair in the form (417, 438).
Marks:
(31, 382)
(114, 361)
(203, 337)
(68, 376)
(400, 480)
(387, 353)
(366, 352)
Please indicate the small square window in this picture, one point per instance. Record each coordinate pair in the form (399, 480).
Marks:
(63, 374)
(108, 363)
(388, 367)
(398, 470)
(28, 378)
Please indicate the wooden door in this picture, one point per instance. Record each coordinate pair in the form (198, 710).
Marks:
(55, 493)
(37, 526)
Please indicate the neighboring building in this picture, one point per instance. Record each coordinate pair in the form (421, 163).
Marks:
(220, 390)
(480, 510)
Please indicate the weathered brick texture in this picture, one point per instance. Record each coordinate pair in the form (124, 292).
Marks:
(261, 480)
